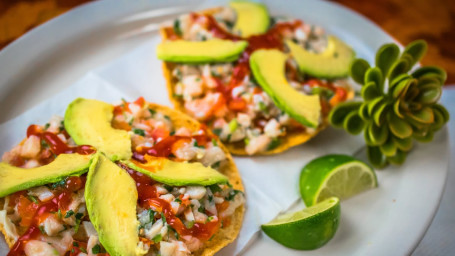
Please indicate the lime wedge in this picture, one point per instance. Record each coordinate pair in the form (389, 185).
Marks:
(307, 229)
(341, 176)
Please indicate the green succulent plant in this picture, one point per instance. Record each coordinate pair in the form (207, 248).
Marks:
(398, 106)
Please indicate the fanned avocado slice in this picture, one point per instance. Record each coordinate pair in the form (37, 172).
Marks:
(88, 122)
(334, 62)
(252, 18)
(213, 50)
(13, 179)
(268, 67)
(111, 197)
(177, 173)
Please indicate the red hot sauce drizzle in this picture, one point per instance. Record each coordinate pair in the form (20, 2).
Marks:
(41, 210)
(56, 145)
(149, 198)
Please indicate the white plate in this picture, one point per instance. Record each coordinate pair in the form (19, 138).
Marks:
(389, 220)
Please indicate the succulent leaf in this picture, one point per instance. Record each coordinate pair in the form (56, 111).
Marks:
(426, 137)
(340, 112)
(424, 115)
(377, 159)
(429, 94)
(443, 111)
(374, 104)
(399, 127)
(380, 114)
(358, 69)
(397, 109)
(363, 112)
(386, 56)
(375, 75)
(398, 68)
(389, 148)
(370, 91)
(398, 158)
(353, 123)
(416, 50)
(403, 144)
(431, 71)
(378, 134)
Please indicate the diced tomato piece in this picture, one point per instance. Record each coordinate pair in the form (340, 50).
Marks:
(340, 95)
(140, 101)
(237, 104)
(26, 210)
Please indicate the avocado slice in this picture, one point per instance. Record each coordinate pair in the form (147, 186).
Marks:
(213, 50)
(13, 179)
(111, 197)
(252, 18)
(268, 67)
(89, 123)
(334, 62)
(177, 173)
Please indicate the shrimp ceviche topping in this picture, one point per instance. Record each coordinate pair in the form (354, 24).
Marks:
(227, 97)
(52, 219)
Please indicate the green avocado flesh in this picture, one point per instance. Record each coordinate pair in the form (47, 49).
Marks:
(88, 122)
(268, 67)
(334, 62)
(178, 173)
(13, 179)
(213, 50)
(252, 18)
(111, 197)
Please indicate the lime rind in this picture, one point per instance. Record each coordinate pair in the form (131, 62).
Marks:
(307, 229)
(337, 182)
(288, 218)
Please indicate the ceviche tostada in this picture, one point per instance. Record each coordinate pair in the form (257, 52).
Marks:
(131, 179)
(261, 105)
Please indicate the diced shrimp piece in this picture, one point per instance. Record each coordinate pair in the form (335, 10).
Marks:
(32, 163)
(196, 192)
(92, 242)
(272, 128)
(52, 226)
(31, 147)
(39, 248)
(257, 144)
(193, 244)
(42, 192)
(243, 119)
(192, 86)
(213, 155)
(183, 131)
(211, 104)
(55, 124)
(154, 230)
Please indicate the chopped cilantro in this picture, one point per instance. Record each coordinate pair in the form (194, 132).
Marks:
(78, 221)
(172, 133)
(177, 29)
(139, 132)
(75, 244)
(232, 194)
(83, 250)
(59, 213)
(157, 238)
(210, 197)
(41, 228)
(217, 131)
(201, 209)
(163, 218)
(197, 145)
(263, 107)
(168, 188)
(58, 184)
(216, 165)
(229, 24)
(215, 188)
(151, 215)
(215, 74)
(167, 117)
(96, 249)
(33, 199)
(69, 213)
(214, 142)
(177, 96)
(79, 215)
(44, 144)
(152, 112)
(246, 141)
(178, 200)
(131, 121)
(46, 126)
(274, 143)
(210, 239)
(198, 79)
(228, 139)
(210, 218)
